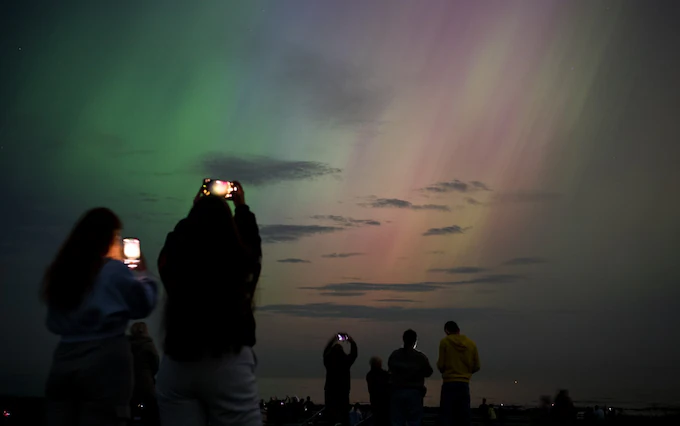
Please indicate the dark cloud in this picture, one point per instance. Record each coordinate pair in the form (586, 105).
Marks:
(459, 270)
(481, 186)
(293, 260)
(492, 279)
(435, 252)
(343, 293)
(526, 197)
(396, 203)
(447, 230)
(285, 233)
(347, 221)
(471, 201)
(384, 313)
(332, 90)
(418, 287)
(525, 261)
(341, 255)
(456, 186)
(257, 171)
(397, 300)
(363, 287)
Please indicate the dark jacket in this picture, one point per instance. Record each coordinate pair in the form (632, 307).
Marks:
(338, 365)
(378, 381)
(145, 359)
(210, 288)
(409, 368)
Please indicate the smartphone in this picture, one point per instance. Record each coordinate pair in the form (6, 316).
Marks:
(132, 252)
(221, 188)
(342, 337)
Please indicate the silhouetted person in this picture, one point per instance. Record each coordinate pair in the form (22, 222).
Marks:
(355, 415)
(563, 411)
(409, 368)
(378, 381)
(598, 414)
(338, 365)
(491, 414)
(210, 265)
(501, 414)
(146, 362)
(484, 411)
(91, 295)
(458, 361)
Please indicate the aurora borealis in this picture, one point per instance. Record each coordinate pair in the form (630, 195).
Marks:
(511, 165)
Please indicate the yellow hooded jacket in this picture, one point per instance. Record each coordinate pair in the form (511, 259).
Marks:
(458, 358)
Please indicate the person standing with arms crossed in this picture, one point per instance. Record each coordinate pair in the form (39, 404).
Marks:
(458, 361)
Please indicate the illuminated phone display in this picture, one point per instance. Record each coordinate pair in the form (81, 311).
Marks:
(221, 188)
(132, 252)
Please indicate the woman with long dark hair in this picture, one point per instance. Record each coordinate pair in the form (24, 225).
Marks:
(91, 295)
(210, 265)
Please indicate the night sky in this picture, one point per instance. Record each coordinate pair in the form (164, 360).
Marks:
(510, 165)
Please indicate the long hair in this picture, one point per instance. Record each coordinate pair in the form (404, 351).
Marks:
(72, 273)
(211, 222)
(206, 263)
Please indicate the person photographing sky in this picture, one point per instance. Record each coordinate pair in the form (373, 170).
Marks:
(458, 361)
(91, 295)
(210, 265)
(338, 365)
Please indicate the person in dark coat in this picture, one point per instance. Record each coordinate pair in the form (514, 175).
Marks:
(563, 411)
(338, 365)
(210, 266)
(378, 381)
(145, 361)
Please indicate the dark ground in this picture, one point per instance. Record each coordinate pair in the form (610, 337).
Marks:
(31, 412)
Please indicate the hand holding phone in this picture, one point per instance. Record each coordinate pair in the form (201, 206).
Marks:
(237, 195)
(132, 252)
(141, 266)
(220, 188)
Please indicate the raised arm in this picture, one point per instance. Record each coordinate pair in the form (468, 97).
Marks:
(140, 292)
(167, 270)
(249, 232)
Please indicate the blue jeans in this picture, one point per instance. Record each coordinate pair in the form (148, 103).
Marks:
(406, 407)
(454, 406)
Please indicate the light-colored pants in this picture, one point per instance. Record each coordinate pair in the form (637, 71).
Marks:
(222, 391)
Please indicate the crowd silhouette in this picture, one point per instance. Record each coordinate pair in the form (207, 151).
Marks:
(210, 266)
